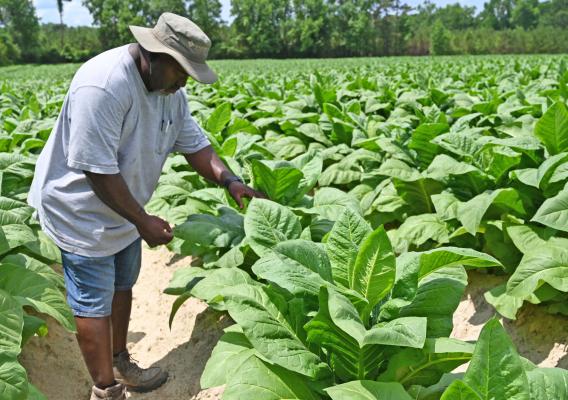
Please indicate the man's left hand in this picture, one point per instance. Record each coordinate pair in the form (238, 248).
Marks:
(238, 190)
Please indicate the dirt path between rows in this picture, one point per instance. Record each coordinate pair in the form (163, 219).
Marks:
(55, 366)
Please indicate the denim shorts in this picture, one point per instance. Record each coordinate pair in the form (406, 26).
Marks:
(92, 281)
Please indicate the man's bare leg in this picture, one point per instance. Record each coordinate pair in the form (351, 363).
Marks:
(121, 307)
(94, 337)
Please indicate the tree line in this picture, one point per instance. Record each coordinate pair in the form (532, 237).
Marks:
(296, 28)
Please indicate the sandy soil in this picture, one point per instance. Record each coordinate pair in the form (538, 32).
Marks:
(539, 336)
(55, 366)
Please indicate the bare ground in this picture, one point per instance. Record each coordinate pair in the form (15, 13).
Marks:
(55, 366)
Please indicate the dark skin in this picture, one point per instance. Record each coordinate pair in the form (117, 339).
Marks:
(100, 338)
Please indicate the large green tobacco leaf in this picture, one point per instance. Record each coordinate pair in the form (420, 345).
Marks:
(259, 380)
(418, 194)
(280, 181)
(445, 283)
(417, 230)
(548, 383)
(224, 230)
(421, 142)
(368, 390)
(444, 257)
(228, 355)
(219, 118)
(310, 254)
(299, 266)
(267, 224)
(206, 285)
(31, 263)
(504, 303)
(13, 379)
(470, 213)
(302, 268)
(12, 322)
(297, 275)
(546, 264)
(496, 161)
(496, 370)
(552, 128)
(411, 268)
(311, 165)
(30, 288)
(394, 168)
(268, 331)
(373, 272)
(330, 203)
(343, 243)
(14, 235)
(547, 169)
(554, 212)
(461, 177)
(426, 366)
(43, 248)
(14, 212)
(528, 237)
(355, 351)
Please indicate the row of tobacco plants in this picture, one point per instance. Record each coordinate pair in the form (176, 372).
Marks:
(30, 288)
(387, 183)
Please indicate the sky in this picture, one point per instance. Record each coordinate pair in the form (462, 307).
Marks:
(75, 14)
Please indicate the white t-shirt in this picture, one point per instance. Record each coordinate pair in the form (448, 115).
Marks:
(109, 124)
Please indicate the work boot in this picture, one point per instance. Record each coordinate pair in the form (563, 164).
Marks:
(135, 378)
(114, 392)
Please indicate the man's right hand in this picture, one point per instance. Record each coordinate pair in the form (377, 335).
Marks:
(154, 230)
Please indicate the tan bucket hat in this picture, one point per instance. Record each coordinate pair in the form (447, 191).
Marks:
(183, 40)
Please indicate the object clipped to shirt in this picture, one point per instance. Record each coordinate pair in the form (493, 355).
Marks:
(109, 124)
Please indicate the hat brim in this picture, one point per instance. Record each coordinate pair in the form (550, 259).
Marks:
(198, 71)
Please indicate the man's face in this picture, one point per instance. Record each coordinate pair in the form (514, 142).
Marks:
(167, 75)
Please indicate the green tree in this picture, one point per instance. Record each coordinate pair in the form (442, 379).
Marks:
(353, 32)
(21, 23)
(259, 26)
(440, 39)
(497, 14)
(207, 15)
(525, 14)
(157, 7)
(456, 17)
(114, 16)
(9, 51)
(554, 13)
(311, 29)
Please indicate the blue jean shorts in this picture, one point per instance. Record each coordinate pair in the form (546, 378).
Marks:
(92, 281)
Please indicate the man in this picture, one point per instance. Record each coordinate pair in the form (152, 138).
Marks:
(123, 115)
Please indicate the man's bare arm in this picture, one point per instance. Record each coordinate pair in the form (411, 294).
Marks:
(114, 192)
(208, 164)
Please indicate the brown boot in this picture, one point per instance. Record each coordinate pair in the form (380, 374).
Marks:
(114, 392)
(135, 378)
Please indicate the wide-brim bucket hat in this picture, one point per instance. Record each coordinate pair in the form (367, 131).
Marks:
(183, 40)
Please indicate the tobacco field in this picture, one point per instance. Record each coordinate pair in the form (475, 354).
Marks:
(388, 179)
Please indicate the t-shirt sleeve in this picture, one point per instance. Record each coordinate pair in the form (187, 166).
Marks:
(191, 138)
(96, 119)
